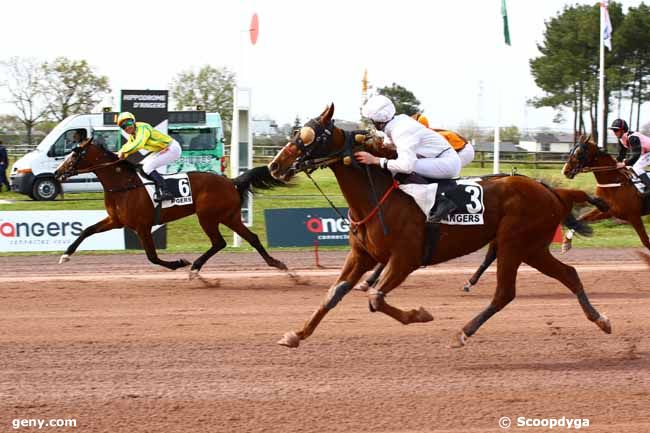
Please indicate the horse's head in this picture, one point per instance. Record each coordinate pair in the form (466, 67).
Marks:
(82, 157)
(318, 138)
(581, 156)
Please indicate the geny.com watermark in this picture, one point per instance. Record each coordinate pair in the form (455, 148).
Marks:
(41, 423)
(547, 423)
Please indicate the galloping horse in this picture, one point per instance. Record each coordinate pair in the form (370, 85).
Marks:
(216, 200)
(521, 215)
(613, 186)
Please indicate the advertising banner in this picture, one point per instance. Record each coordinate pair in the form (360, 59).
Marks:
(54, 231)
(148, 106)
(302, 227)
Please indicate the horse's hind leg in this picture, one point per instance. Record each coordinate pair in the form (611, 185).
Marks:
(372, 279)
(144, 233)
(238, 227)
(490, 257)
(106, 224)
(393, 276)
(218, 243)
(567, 275)
(509, 261)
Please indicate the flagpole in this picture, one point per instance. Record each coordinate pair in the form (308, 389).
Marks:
(602, 132)
(497, 128)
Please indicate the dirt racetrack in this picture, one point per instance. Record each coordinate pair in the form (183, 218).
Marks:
(123, 346)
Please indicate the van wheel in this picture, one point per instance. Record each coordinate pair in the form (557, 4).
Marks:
(45, 189)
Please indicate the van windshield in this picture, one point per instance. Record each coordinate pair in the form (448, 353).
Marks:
(195, 138)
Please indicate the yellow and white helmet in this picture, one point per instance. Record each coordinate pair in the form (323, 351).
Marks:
(125, 116)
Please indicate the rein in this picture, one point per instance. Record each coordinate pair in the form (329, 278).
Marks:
(97, 167)
(597, 169)
(376, 209)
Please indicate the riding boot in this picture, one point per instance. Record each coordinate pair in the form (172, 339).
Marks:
(431, 237)
(161, 186)
(646, 182)
(443, 208)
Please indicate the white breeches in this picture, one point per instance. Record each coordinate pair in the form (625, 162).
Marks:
(164, 157)
(445, 166)
(641, 163)
(466, 155)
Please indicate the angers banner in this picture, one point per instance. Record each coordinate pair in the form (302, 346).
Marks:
(302, 227)
(54, 231)
(22, 231)
(148, 106)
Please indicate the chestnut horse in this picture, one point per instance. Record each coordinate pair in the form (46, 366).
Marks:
(216, 200)
(613, 186)
(521, 215)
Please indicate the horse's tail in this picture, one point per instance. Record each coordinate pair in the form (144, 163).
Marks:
(256, 178)
(570, 197)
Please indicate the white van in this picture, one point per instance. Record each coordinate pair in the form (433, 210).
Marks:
(33, 174)
(200, 135)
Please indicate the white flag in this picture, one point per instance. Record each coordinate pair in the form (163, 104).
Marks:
(607, 26)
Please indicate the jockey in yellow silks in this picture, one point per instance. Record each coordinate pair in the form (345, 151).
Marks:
(142, 136)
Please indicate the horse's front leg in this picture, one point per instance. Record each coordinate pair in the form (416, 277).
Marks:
(591, 216)
(107, 223)
(395, 273)
(144, 233)
(357, 263)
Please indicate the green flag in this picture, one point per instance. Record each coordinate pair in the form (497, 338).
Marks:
(504, 13)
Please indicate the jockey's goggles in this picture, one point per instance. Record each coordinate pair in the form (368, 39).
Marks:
(127, 123)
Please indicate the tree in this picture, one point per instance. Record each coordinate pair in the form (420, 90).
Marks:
(633, 39)
(24, 81)
(567, 71)
(210, 87)
(470, 130)
(509, 134)
(404, 100)
(72, 87)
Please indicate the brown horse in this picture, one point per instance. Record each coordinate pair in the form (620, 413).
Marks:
(216, 200)
(613, 186)
(521, 215)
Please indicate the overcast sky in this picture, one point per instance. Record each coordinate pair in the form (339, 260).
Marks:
(450, 53)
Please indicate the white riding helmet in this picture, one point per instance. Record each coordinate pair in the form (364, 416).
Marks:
(379, 109)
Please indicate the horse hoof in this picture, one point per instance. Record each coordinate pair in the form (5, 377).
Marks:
(279, 265)
(423, 315)
(460, 339)
(604, 324)
(290, 339)
(467, 287)
(183, 263)
(566, 246)
(64, 258)
(194, 273)
(362, 287)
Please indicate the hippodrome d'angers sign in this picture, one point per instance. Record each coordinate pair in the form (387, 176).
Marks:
(300, 227)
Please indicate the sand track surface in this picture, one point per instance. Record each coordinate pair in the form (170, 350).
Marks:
(120, 345)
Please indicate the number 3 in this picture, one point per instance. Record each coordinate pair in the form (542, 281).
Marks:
(475, 195)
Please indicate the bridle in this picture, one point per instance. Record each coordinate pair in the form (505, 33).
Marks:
(582, 160)
(79, 153)
(323, 136)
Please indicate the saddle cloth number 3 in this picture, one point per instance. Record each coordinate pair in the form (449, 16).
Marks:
(476, 204)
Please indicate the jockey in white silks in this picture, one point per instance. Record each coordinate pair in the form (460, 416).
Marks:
(420, 150)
